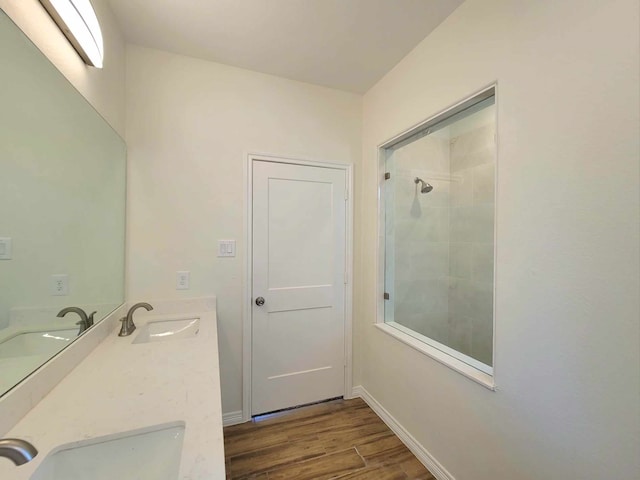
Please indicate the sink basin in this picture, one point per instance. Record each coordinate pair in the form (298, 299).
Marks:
(163, 330)
(47, 342)
(150, 454)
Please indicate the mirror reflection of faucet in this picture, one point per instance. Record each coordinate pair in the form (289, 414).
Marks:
(85, 322)
(16, 450)
(127, 322)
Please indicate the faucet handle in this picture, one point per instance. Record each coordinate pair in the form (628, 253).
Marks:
(90, 319)
(127, 327)
(83, 327)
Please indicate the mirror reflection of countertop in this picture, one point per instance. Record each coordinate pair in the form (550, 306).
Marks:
(122, 386)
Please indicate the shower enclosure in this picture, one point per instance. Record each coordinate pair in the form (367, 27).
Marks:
(439, 206)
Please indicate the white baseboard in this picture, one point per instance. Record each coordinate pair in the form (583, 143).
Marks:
(412, 444)
(232, 418)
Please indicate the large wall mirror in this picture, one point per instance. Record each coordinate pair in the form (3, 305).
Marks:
(62, 210)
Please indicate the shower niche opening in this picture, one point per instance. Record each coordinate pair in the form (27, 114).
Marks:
(438, 212)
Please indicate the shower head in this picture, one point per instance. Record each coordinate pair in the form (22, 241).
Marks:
(425, 188)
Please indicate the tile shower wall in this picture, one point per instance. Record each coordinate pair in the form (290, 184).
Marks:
(471, 230)
(439, 266)
(419, 269)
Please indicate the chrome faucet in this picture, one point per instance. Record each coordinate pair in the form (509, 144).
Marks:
(16, 450)
(85, 322)
(127, 322)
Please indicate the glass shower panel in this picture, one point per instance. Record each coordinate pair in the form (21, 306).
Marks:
(439, 229)
(390, 236)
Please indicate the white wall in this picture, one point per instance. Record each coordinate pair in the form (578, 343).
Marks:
(190, 125)
(103, 88)
(567, 332)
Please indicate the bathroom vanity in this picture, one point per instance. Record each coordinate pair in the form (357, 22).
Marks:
(145, 406)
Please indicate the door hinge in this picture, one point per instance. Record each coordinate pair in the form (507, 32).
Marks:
(386, 296)
(346, 193)
(387, 176)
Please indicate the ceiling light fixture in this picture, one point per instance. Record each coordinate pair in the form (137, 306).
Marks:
(77, 20)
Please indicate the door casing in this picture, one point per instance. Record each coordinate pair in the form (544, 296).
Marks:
(248, 272)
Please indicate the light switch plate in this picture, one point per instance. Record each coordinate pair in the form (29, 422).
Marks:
(182, 280)
(5, 248)
(226, 248)
(60, 285)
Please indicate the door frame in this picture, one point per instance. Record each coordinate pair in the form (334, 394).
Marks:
(247, 321)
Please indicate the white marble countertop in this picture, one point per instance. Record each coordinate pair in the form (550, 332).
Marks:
(122, 386)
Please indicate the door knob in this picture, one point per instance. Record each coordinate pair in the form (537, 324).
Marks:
(259, 301)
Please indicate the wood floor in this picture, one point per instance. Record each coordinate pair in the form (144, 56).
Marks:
(342, 439)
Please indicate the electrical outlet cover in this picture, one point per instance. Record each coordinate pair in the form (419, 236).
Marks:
(60, 285)
(183, 280)
(5, 248)
(226, 248)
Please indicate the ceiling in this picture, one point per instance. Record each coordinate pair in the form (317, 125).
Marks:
(343, 44)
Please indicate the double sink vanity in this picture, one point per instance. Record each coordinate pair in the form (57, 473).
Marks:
(144, 406)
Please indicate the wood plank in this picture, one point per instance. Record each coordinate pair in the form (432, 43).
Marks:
(415, 469)
(389, 456)
(386, 450)
(271, 458)
(341, 439)
(380, 445)
(337, 424)
(376, 473)
(321, 468)
(249, 442)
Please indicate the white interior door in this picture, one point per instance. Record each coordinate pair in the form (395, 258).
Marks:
(299, 250)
